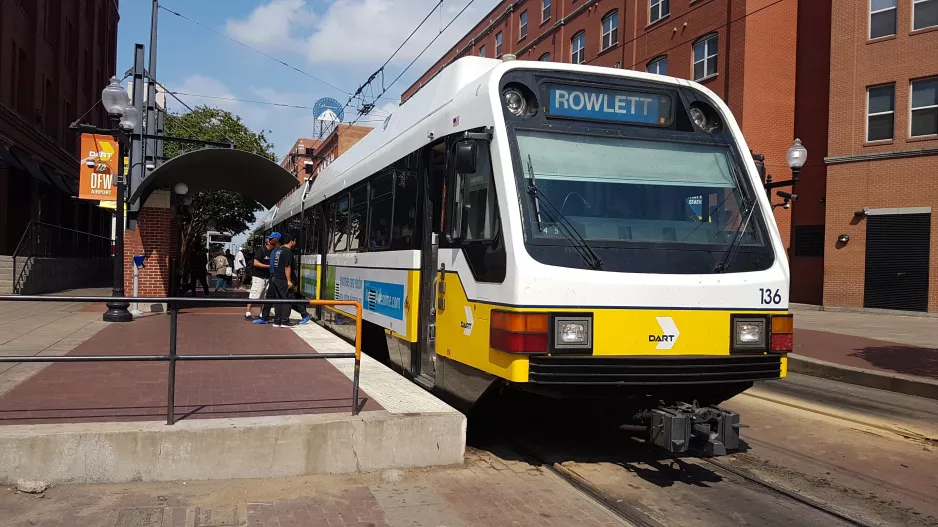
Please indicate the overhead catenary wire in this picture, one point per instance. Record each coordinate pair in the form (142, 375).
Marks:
(271, 57)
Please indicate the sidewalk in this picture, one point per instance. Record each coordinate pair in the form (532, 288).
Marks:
(489, 491)
(859, 347)
(36, 328)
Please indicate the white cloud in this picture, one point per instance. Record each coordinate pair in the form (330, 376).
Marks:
(270, 26)
(355, 32)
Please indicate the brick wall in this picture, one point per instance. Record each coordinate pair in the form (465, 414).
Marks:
(153, 237)
(856, 63)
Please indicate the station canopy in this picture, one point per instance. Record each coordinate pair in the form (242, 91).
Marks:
(220, 169)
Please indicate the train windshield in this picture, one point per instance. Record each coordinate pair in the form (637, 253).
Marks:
(620, 192)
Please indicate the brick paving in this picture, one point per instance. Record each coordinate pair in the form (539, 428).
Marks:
(862, 352)
(82, 392)
(489, 491)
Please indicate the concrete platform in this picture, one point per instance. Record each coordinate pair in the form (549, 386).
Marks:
(103, 422)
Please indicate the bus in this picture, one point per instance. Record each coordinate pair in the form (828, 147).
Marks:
(568, 231)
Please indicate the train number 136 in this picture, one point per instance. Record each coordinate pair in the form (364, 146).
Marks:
(769, 296)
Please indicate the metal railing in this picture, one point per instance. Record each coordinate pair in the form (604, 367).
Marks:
(44, 240)
(174, 303)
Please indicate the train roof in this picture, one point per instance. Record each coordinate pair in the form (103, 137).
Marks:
(430, 99)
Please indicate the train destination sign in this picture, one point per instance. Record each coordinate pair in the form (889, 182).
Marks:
(581, 102)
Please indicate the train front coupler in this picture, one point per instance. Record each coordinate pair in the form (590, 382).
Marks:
(682, 428)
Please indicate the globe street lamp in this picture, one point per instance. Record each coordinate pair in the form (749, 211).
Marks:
(126, 118)
(796, 156)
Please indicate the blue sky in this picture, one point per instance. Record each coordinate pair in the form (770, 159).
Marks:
(338, 41)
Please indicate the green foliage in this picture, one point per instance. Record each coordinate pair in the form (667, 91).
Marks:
(217, 210)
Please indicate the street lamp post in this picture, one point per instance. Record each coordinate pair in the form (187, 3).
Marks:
(796, 157)
(125, 117)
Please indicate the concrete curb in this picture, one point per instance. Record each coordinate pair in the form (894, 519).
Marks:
(248, 447)
(892, 382)
(793, 306)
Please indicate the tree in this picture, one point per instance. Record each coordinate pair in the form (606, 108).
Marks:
(218, 210)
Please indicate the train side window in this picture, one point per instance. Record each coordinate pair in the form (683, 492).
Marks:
(380, 212)
(358, 218)
(477, 208)
(404, 224)
(340, 232)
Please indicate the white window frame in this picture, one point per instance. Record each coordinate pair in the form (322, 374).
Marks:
(523, 25)
(482, 51)
(581, 35)
(866, 125)
(545, 10)
(912, 109)
(706, 42)
(544, 58)
(914, 2)
(498, 44)
(613, 30)
(869, 20)
(661, 13)
(658, 61)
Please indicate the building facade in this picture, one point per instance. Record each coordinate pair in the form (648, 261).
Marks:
(337, 143)
(300, 161)
(55, 57)
(881, 242)
(768, 59)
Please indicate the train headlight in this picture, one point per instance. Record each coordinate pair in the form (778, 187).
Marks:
(573, 333)
(699, 118)
(749, 333)
(514, 101)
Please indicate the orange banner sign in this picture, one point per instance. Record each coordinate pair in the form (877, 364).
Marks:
(98, 167)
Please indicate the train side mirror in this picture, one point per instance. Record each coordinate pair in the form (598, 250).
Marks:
(467, 153)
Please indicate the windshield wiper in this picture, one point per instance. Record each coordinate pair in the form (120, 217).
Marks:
(567, 229)
(737, 238)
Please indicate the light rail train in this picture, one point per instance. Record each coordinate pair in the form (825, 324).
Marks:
(568, 231)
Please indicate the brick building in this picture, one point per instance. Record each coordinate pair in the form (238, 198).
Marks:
(55, 57)
(768, 59)
(881, 243)
(336, 144)
(300, 161)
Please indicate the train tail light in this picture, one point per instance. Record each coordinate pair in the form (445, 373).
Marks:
(519, 332)
(783, 329)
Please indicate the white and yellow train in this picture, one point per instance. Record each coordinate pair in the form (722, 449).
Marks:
(564, 230)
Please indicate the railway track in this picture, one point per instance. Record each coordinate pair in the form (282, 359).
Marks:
(632, 514)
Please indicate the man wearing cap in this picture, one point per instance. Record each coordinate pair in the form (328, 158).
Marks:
(260, 281)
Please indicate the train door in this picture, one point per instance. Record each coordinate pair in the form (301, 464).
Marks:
(432, 171)
(325, 233)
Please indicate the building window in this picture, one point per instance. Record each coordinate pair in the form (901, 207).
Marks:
(611, 30)
(705, 57)
(545, 11)
(657, 10)
(498, 44)
(882, 18)
(924, 14)
(545, 57)
(658, 66)
(925, 107)
(482, 51)
(577, 44)
(809, 240)
(880, 112)
(523, 29)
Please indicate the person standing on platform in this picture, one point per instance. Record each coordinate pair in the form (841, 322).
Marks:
(221, 272)
(261, 279)
(239, 266)
(229, 274)
(281, 280)
(196, 269)
(294, 292)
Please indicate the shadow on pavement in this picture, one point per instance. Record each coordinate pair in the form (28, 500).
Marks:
(901, 359)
